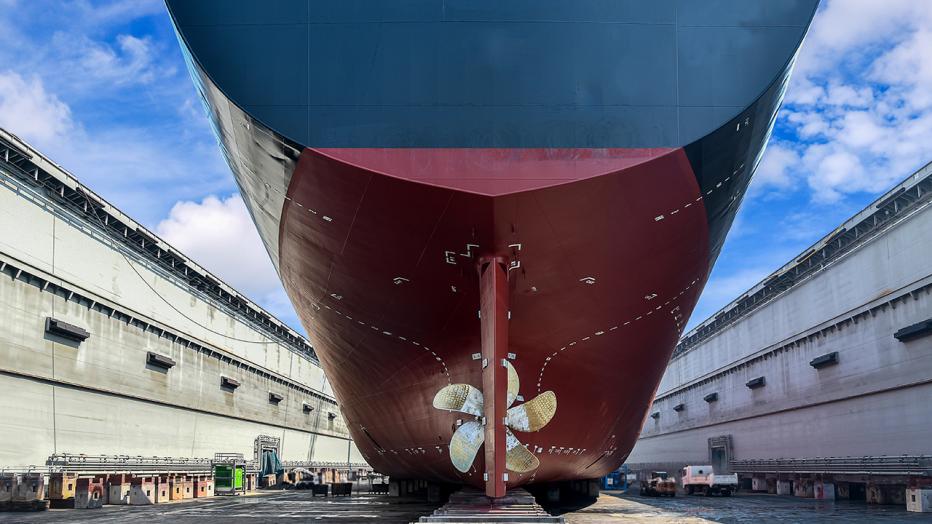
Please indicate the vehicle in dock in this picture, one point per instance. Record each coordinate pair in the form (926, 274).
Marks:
(702, 479)
(660, 484)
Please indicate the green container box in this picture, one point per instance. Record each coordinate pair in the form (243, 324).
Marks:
(229, 478)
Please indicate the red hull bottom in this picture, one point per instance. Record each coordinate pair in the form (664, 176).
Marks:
(604, 253)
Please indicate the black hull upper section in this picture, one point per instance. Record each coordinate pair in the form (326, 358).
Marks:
(493, 74)
(725, 160)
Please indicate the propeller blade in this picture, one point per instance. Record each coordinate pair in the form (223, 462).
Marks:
(460, 397)
(466, 441)
(517, 457)
(533, 414)
(513, 384)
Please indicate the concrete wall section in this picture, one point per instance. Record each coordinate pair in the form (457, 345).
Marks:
(890, 262)
(355, 455)
(21, 215)
(101, 395)
(101, 269)
(113, 360)
(889, 423)
(869, 360)
(62, 419)
(327, 447)
(873, 401)
(27, 423)
(49, 237)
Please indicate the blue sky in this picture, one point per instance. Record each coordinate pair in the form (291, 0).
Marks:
(100, 87)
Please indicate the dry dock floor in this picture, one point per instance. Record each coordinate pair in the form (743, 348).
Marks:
(612, 507)
(264, 507)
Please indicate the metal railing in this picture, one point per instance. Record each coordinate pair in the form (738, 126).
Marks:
(871, 465)
(312, 464)
(140, 465)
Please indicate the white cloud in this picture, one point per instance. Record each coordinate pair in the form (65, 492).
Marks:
(849, 96)
(860, 104)
(84, 66)
(96, 52)
(29, 110)
(776, 169)
(860, 130)
(143, 169)
(846, 31)
(837, 169)
(130, 61)
(220, 235)
(908, 68)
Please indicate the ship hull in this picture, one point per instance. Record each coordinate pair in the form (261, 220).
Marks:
(594, 156)
(390, 284)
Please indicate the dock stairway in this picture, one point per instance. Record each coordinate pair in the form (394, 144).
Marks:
(472, 506)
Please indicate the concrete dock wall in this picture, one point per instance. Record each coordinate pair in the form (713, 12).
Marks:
(875, 388)
(69, 248)
(72, 420)
(872, 401)
(102, 395)
(894, 261)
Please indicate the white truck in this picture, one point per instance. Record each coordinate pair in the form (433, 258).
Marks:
(701, 479)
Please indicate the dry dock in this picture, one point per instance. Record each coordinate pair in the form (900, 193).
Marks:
(813, 386)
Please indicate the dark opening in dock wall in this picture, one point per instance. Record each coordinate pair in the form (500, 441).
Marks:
(158, 360)
(229, 384)
(829, 359)
(66, 330)
(917, 330)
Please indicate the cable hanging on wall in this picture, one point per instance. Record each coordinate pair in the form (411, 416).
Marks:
(162, 298)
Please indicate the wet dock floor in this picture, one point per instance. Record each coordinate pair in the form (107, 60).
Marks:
(742, 508)
(263, 507)
(611, 507)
